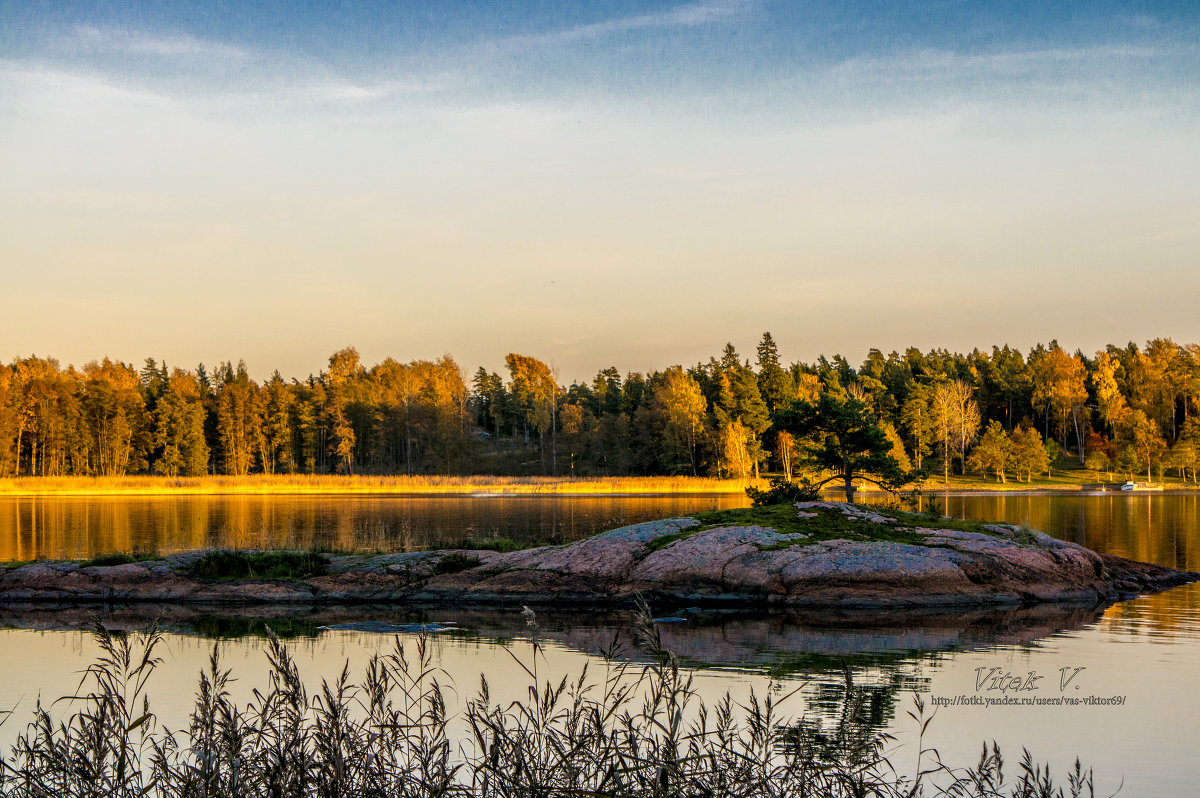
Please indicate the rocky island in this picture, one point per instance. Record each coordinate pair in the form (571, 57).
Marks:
(807, 555)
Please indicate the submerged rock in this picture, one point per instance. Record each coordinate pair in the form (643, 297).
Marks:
(825, 555)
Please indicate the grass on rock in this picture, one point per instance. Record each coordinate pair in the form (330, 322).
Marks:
(454, 562)
(118, 558)
(825, 524)
(225, 564)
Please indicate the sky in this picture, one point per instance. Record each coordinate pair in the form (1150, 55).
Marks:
(605, 183)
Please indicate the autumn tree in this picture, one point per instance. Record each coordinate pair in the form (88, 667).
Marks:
(807, 384)
(994, 452)
(1143, 437)
(1110, 402)
(736, 450)
(311, 424)
(785, 451)
(956, 421)
(1185, 454)
(736, 398)
(418, 417)
(11, 421)
(239, 420)
(343, 378)
(275, 442)
(1190, 381)
(444, 393)
(535, 392)
(179, 419)
(1156, 381)
(1028, 452)
(49, 425)
(1059, 390)
(897, 443)
(341, 438)
(678, 401)
(111, 407)
(1097, 461)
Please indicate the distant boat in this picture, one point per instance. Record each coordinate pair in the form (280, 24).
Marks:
(1140, 486)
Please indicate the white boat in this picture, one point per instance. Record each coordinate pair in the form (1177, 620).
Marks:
(1140, 486)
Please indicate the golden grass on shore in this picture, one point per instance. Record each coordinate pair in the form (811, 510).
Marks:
(313, 484)
(302, 484)
(1066, 479)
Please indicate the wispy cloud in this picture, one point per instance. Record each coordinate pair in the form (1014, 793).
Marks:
(141, 43)
(45, 81)
(682, 16)
(931, 64)
(140, 63)
(321, 90)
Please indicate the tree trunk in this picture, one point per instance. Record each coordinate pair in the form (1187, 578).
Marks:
(1078, 436)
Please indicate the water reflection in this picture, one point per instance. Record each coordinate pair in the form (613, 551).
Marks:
(1147, 650)
(1161, 528)
(80, 527)
(887, 652)
(781, 642)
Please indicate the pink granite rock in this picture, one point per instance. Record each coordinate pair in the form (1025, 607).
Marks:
(673, 559)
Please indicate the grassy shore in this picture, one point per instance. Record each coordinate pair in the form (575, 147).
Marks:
(1066, 479)
(310, 484)
(303, 484)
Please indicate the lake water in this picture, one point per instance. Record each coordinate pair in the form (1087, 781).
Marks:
(80, 527)
(1140, 658)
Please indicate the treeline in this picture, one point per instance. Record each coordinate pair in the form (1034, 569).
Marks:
(1124, 409)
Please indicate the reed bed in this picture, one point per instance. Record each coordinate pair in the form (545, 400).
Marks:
(632, 731)
(301, 484)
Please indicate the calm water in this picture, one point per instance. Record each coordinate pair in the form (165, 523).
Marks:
(1144, 653)
(1162, 528)
(79, 527)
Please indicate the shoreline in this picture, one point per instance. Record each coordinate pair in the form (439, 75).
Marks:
(487, 486)
(809, 555)
(330, 485)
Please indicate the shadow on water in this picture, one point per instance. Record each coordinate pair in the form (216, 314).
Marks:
(888, 652)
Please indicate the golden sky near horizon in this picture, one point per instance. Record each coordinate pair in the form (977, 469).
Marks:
(632, 190)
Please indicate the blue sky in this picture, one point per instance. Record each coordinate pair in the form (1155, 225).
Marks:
(594, 184)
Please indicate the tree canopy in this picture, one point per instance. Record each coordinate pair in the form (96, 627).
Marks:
(842, 435)
(946, 411)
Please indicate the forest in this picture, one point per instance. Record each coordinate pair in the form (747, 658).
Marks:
(1125, 410)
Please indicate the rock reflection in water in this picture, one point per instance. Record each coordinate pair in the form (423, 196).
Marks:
(887, 652)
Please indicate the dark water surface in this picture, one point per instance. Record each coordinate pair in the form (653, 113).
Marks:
(1140, 658)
